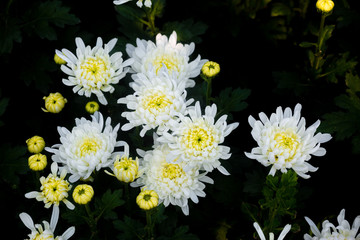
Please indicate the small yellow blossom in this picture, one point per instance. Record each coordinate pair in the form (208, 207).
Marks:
(83, 193)
(54, 103)
(325, 6)
(54, 189)
(92, 107)
(147, 199)
(210, 69)
(35, 144)
(126, 169)
(59, 60)
(37, 162)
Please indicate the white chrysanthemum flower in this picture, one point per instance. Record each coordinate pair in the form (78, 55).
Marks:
(46, 232)
(54, 189)
(165, 53)
(139, 3)
(329, 232)
(156, 100)
(169, 180)
(93, 70)
(285, 143)
(89, 146)
(196, 139)
(283, 233)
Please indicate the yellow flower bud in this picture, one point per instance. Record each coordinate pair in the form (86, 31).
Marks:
(92, 107)
(59, 60)
(147, 199)
(54, 103)
(125, 169)
(210, 69)
(325, 6)
(83, 193)
(37, 162)
(35, 144)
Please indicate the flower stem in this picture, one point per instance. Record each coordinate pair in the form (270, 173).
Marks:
(92, 222)
(208, 91)
(149, 225)
(319, 54)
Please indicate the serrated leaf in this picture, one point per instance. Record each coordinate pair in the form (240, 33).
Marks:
(187, 30)
(9, 33)
(232, 100)
(108, 202)
(344, 125)
(129, 228)
(12, 163)
(352, 82)
(280, 9)
(41, 19)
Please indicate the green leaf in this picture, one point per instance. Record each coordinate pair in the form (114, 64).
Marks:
(129, 229)
(343, 124)
(9, 33)
(280, 9)
(108, 202)
(328, 29)
(42, 18)
(232, 100)
(187, 30)
(352, 82)
(12, 163)
(307, 44)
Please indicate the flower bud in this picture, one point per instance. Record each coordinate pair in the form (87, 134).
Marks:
(35, 144)
(54, 103)
(37, 162)
(83, 193)
(147, 199)
(92, 107)
(325, 6)
(210, 69)
(126, 169)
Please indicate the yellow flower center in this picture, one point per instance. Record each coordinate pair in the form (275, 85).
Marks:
(156, 102)
(170, 62)
(172, 171)
(197, 138)
(42, 237)
(55, 189)
(94, 69)
(287, 142)
(89, 146)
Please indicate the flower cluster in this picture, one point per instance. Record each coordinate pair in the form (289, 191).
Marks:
(188, 139)
(188, 143)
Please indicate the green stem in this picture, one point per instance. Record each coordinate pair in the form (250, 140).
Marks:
(318, 54)
(92, 222)
(208, 91)
(151, 21)
(149, 225)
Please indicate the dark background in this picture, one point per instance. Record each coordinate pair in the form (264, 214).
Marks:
(249, 51)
